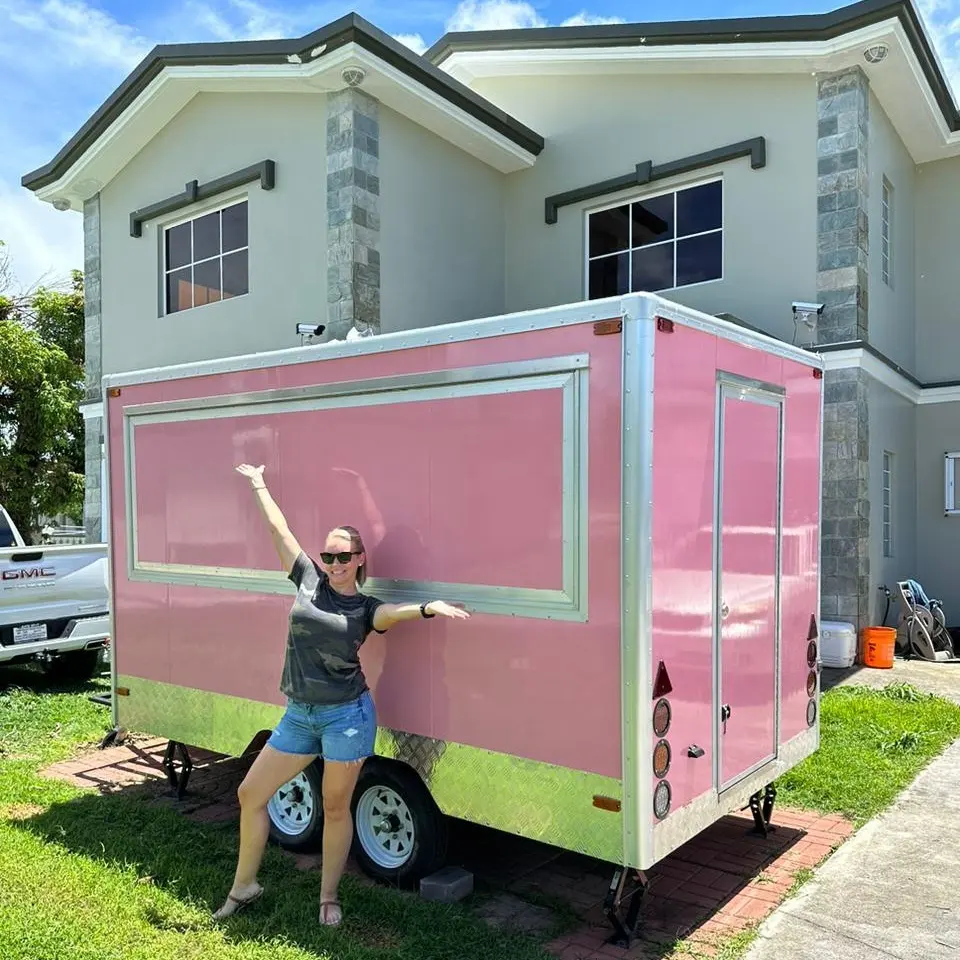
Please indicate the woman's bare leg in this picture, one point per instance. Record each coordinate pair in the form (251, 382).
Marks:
(339, 781)
(270, 771)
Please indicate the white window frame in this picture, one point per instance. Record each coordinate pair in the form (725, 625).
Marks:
(642, 197)
(886, 232)
(886, 500)
(950, 477)
(196, 213)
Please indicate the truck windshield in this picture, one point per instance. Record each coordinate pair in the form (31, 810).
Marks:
(6, 534)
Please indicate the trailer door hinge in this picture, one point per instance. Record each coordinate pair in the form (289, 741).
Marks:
(603, 328)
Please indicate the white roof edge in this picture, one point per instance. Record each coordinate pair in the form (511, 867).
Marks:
(638, 306)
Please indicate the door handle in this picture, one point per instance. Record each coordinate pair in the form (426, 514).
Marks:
(725, 712)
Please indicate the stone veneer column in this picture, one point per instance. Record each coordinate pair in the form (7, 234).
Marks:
(353, 213)
(843, 104)
(93, 367)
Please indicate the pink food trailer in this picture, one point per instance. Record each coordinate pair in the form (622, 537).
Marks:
(626, 495)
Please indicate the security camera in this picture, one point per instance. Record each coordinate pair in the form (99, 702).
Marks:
(310, 329)
(800, 307)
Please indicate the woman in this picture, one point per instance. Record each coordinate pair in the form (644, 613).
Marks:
(329, 712)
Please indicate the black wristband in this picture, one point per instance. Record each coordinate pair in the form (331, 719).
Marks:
(423, 611)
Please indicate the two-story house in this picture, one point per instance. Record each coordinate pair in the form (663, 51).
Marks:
(741, 167)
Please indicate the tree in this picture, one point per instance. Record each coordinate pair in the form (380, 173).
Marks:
(41, 386)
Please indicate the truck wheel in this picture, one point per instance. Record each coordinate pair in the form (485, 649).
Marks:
(400, 835)
(73, 667)
(296, 811)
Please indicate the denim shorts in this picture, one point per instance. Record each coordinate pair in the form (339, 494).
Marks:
(340, 732)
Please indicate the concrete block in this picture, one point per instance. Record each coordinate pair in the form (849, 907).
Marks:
(447, 885)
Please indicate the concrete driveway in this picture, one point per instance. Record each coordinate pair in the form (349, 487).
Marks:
(890, 891)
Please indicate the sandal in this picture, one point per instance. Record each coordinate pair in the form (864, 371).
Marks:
(240, 902)
(324, 912)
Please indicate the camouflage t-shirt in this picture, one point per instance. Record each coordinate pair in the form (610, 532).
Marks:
(327, 629)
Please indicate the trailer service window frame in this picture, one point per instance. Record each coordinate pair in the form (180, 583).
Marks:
(569, 374)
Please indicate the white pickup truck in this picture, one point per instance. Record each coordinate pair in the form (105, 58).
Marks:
(54, 604)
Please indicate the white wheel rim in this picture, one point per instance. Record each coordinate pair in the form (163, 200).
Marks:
(292, 807)
(384, 826)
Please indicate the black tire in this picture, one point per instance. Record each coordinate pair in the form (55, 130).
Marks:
(296, 811)
(418, 845)
(73, 667)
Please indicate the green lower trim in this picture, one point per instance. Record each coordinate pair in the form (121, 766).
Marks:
(526, 797)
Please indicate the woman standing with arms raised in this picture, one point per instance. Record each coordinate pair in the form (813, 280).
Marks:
(330, 712)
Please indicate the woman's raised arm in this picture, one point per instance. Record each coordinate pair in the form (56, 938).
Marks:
(286, 543)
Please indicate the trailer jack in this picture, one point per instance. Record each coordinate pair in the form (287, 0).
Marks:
(625, 928)
(761, 806)
(178, 781)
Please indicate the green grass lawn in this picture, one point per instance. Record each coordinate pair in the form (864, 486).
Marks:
(89, 877)
(873, 743)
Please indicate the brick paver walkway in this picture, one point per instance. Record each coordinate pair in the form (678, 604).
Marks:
(718, 884)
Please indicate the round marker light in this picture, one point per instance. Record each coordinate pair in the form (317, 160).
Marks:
(661, 800)
(661, 718)
(812, 652)
(661, 759)
(811, 683)
(811, 713)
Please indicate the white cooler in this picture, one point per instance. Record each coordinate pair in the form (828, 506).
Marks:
(838, 644)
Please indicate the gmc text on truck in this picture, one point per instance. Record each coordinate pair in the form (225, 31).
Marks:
(54, 604)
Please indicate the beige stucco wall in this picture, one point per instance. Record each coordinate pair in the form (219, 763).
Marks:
(600, 127)
(214, 135)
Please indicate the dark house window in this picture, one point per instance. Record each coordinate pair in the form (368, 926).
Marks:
(205, 259)
(658, 243)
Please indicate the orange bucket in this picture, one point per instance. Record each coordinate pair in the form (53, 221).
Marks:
(878, 646)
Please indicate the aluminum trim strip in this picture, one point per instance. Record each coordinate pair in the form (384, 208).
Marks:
(748, 387)
(564, 315)
(636, 453)
(349, 388)
(410, 394)
(553, 317)
(730, 331)
(544, 802)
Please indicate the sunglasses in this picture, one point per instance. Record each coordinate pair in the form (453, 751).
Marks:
(342, 557)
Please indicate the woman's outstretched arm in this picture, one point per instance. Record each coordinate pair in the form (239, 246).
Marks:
(387, 614)
(285, 542)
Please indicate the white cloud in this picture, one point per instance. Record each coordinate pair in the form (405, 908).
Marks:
(58, 59)
(412, 40)
(44, 244)
(584, 19)
(512, 15)
(72, 33)
(494, 15)
(942, 18)
(237, 20)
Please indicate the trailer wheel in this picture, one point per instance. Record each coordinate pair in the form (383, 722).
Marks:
(400, 835)
(296, 811)
(73, 667)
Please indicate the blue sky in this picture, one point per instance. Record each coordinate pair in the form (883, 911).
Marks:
(59, 59)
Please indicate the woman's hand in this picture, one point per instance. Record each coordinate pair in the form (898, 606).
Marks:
(441, 609)
(253, 474)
